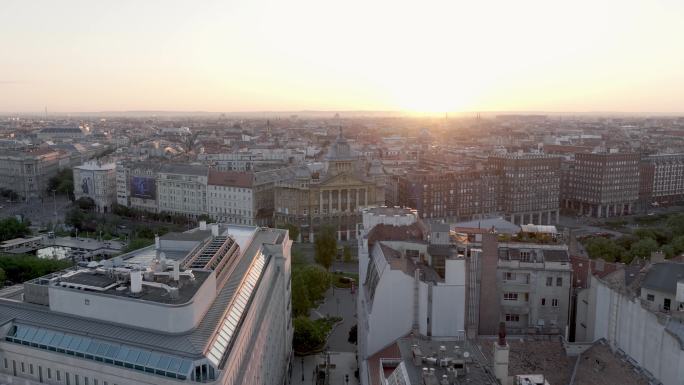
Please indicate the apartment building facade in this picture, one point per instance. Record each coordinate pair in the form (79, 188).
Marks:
(530, 187)
(182, 189)
(28, 172)
(231, 197)
(604, 184)
(97, 182)
(662, 179)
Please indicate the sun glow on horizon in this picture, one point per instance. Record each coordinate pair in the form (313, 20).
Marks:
(428, 56)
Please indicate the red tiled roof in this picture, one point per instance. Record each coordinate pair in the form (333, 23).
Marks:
(580, 270)
(391, 352)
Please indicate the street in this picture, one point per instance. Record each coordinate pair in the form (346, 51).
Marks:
(39, 212)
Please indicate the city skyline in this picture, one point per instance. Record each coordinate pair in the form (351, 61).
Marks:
(76, 56)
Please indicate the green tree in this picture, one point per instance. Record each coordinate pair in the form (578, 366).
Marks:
(85, 203)
(678, 244)
(293, 230)
(643, 248)
(62, 183)
(325, 247)
(659, 235)
(75, 218)
(346, 252)
(676, 224)
(11, 228)
(308, 335)
(21, 268)
(300, 296)
(317, 281)
(604, 248)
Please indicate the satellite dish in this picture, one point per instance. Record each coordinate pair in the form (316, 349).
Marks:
(466, 354)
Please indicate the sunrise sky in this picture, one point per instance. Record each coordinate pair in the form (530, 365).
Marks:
(423, 56)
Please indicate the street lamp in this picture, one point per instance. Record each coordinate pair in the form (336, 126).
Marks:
(54, 201)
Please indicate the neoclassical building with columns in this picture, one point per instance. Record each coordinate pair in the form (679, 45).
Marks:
(330, 194)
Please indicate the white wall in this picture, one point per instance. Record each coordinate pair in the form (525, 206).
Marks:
(638, 332)
(129, 311)
(391, 316)
(448, 310)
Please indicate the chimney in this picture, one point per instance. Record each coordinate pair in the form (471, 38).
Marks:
(136, 281)
(501, 351)
(215, 230)
(203, 225)
(176, 271)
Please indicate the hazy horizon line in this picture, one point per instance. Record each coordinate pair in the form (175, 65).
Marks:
(333, 111)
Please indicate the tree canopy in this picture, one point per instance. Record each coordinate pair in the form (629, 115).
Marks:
(62, 183)
(21, 268)
(11, 228)
(309, 284)
(326, 247)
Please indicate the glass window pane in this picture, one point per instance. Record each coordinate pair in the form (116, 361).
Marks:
(92, 348)
(163, 362)
(132, 356)
(185, 366)
(39, 336)
(143, 357)
(102, 349)
(123, 352)
(174, 365)
(65, 341)
(112, 351)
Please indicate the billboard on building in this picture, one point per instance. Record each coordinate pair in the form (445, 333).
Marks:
(87, 183)
(143, 187)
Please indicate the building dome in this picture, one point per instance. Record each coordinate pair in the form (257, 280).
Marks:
(340, 149)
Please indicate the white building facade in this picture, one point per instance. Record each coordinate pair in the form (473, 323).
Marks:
(97, 182)
(208, 306)
(231, 197)
(400, 292)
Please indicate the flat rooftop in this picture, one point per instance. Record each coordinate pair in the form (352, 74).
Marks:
(188, 344)
(391, 211)
(599, 366)
(546, 357)
(477, 366)
(186, 287)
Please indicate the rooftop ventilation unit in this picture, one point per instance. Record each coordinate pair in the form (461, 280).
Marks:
(136, 281)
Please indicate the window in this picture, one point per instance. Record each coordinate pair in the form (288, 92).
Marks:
(509, 276)
(510, 296)
(512, 318)
(59, 376)
(650, 297)
(559, 281)
(6, 365)
(554, 302)
(666, 306)
(49, 373)
(549, 281)
(23, 369)
(31, 368)
(525, 256)
(543, 301)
